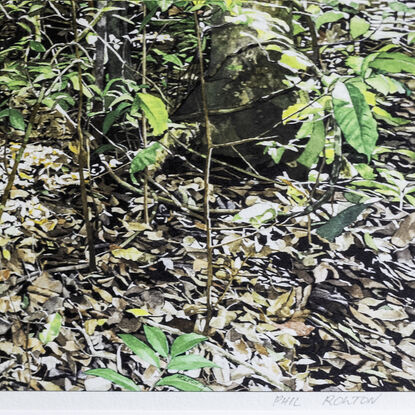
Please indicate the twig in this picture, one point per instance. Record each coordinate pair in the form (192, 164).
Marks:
(57, 269)
(208, 160)
(244, 159)
(313, 33)
(83, 150)
(94, 353)
(232, 110)
(231, 278)
(144, 118)
(188, 209)
(236, 168)
(12, 176)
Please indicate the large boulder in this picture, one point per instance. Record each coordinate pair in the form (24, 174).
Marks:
(245, 87)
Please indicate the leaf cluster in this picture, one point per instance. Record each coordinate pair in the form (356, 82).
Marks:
(173, 359)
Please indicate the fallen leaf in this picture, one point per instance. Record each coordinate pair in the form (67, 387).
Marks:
(133, 254)
(138, 312)
(287, 340)
(406, 232)
(390, 312)
(282, 306)
(5, 274)
(10, 304)
(407, 346)
(299, 327)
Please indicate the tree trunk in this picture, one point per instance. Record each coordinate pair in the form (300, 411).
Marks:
(112, 36)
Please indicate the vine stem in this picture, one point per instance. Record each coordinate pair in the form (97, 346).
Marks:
(83, 149)
(206, 196)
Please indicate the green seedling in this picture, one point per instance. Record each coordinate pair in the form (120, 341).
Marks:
(174, 359)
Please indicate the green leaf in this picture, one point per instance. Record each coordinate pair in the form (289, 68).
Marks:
(37, 46)
(305, 130)
(173, 58)
(394, 62)
(4, 113)
(355, 62)
(354, 118)
(386, 116)
(335, 226)
(358, 27)
(145, 157)
(16, 119)
(74, 78)
(314, 146)
(370, 242)
(183, 383)
(165, 4)
(365, 171)
(112, 116)
(36, 7)
(398, 6)
(353, 197)
(52, 329)
(330, 17)
(276, 155)
(382, 188)
(185, 342)
(123, 18)
(109, 120)
(123, 97)
(140, 349)
(155, 111)
(114, 377)
(189, 362)
(294, 61)
(157, 339)
(385, 85)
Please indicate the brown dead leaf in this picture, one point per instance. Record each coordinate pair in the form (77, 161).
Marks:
(298, 326)
(261, 349)
(406, 232)
(48, 283)
(10, 304)
(34, 344)
(200, 225)
(105, 295)
(281, 307)
(27, 255)
(18, 334)
(241, 347)
(321, 272)
(367, 321)
(199, 264)
(354, 359)
(5, 274)
(223, 318)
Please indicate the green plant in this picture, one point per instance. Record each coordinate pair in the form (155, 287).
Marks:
(52, 329)
(340, 107)
(172, 359)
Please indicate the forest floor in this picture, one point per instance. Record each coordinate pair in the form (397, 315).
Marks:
(293, 311)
